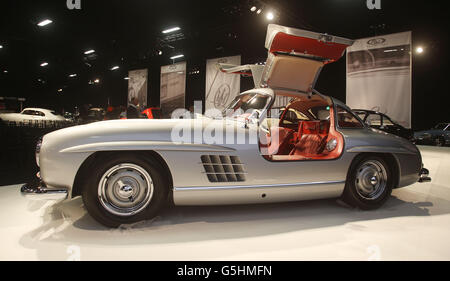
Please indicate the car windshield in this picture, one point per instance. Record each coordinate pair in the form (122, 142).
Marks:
(441, 126)
(94, 113)
(246, 104)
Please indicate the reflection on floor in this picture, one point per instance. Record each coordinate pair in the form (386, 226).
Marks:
(413, 225)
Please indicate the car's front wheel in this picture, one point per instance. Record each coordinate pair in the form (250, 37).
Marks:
(125, 189)
(369, 183)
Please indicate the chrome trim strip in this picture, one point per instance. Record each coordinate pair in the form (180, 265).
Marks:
(377, 149)
(145, 145)
(255, 186)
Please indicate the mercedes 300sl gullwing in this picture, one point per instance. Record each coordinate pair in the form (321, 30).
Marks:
(316, 147)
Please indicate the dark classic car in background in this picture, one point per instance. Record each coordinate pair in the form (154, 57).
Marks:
(439, 135)
(381, 121)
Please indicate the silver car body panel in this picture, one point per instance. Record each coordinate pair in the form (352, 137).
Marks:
(64, 151)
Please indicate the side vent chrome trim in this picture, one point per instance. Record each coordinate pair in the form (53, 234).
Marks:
(223, 168)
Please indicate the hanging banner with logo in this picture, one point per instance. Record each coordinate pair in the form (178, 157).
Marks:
(137, 86)
(221, 88)
(173, 88)
(379, 75)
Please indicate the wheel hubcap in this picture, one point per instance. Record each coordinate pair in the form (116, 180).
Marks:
(371, 179)
(125, 189)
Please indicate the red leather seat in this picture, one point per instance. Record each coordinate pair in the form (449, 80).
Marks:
(310, 141)
(324, 128)
(280, 141)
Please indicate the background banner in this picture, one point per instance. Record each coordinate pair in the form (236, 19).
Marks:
(137, 86)
(221, 88)
(379, 75)
(173, 88)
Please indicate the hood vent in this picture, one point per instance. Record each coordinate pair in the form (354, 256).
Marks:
(223, 168)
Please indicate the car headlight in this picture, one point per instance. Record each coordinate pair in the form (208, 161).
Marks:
(331, 145)
(38, 150)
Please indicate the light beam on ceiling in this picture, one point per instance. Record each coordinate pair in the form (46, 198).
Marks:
(170, 30)
(45, 22)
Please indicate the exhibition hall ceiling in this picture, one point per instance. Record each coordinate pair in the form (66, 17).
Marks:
(106, 38)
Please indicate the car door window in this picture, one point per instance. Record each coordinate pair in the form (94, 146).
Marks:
(373, 120)
(387, 122)
(28, 112)
(347, 119)
(362, 116)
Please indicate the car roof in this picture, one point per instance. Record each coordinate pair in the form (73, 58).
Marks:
(368, 111)
(38, 109)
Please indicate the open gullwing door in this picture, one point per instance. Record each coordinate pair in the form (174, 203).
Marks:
(296, 57)
(254, 70)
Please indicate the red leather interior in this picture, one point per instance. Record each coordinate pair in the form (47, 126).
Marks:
(310, 139)
(308, 143)
(281, 140)
(324, 127)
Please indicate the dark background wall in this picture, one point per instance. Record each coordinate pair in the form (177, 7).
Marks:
(128, 33)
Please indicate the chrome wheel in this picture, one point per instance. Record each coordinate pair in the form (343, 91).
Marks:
(125, 189)
(371, 179)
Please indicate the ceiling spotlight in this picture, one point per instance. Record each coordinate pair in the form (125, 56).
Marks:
(259, 11)
(127, 78)
(269, 16)
(253, 9)
(419, 50)
(60, 90)
(72, 75)
(5, 71)
(1, 46)
(45, 22)
(89, 52)
(96, 81)
(44, 64)
(176, 57)
(160, 52)
(115, 67)
(169, 30)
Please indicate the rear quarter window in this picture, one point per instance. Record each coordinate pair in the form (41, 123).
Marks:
(346, 119)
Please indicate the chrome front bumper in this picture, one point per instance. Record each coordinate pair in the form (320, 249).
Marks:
(37, 190)
(424, 175)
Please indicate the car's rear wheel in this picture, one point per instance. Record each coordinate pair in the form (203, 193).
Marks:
(369, 183)
(125, 189)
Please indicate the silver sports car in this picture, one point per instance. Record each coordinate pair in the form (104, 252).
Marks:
(281, 141)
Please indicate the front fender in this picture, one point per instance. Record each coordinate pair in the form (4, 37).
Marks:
(144, 145)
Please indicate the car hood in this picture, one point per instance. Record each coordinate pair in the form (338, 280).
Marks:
(6, 115)
(127, 130)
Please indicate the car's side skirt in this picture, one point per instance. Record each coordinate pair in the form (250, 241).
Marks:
(241, 194)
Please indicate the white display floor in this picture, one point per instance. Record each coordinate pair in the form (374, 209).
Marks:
(413, 225)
